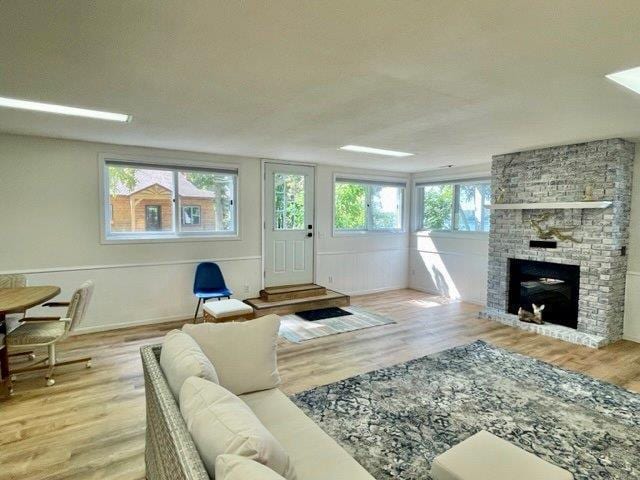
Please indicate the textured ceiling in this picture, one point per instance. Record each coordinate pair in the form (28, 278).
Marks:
(453, 82)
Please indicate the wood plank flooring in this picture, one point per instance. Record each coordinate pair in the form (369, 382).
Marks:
(90, 425)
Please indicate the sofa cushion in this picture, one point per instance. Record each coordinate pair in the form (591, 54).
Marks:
(314, 454)
(235, 467)
(219, 423)
(244, 353)
(181, 358)
(484, 456)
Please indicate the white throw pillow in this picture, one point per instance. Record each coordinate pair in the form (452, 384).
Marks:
(181, 358)
(219, 423)
(235, 467)
(244, 353)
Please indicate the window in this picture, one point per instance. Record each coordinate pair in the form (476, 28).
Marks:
(289, 201)
(368, 205)
(461, 206)
(191, 215)
(153, 201)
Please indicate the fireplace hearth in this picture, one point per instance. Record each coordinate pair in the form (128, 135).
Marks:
(554, 285)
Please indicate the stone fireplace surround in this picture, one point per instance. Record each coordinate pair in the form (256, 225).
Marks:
(597, 171)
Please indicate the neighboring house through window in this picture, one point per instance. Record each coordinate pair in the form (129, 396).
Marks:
(155, 201)
(191, 215)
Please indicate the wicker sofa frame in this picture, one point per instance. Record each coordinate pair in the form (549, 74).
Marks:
(170, 453)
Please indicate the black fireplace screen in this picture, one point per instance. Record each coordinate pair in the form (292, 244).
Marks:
(554, 285)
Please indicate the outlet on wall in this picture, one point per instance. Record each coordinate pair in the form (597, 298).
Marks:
(246, 289)
(330, 279)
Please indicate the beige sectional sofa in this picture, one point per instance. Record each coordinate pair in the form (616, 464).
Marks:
(172, 454)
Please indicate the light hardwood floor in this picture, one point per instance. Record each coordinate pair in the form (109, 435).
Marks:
(91, 424)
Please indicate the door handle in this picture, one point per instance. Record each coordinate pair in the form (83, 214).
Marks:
(309, 234)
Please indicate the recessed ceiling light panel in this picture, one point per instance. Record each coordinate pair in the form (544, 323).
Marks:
(62, 110)
(627, 78)
(375, 151)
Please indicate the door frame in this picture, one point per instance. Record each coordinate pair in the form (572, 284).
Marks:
(263, 226)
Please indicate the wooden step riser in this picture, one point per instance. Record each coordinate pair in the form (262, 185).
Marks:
(300, 307)
(277, 297)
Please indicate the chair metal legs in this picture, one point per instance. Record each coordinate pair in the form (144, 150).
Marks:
(195, 315)
(49, 364)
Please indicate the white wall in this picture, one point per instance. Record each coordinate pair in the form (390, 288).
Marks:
(358, 263)
(49, 212)
(632, 303)
(451, 264)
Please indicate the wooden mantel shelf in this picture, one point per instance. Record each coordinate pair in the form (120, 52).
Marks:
(549, 205)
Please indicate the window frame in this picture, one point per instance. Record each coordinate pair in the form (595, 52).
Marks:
(175, 165)
(182, 222)
(368, 181)
(418, 205)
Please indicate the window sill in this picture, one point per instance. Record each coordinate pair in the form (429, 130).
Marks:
(168, 239)
(360, 233)
(451, 234)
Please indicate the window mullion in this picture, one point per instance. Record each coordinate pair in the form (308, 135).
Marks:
(454, 206)
(369, 220)
(176, 203)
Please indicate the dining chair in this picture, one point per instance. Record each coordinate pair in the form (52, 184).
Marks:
(48, 331)
(209, 283)
(12, 321)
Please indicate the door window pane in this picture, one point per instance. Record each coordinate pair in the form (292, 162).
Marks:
(386, 208)
(437, 206)
(350, 206)
(472, 210)
(140, 199)
(206, 201)
(288, 205)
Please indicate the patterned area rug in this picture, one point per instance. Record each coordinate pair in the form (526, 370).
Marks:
(394, 421)
(297, 330)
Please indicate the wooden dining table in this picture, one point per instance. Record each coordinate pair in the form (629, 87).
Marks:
(17, 300)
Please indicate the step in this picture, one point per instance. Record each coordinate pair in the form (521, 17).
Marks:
(285, 307)
(291, 292)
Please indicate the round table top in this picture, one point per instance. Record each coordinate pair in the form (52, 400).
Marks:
(13, 300)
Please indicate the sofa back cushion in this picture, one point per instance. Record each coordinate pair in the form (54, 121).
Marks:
(181, 358)
(220, 423)
(244, 353)
(235, 467)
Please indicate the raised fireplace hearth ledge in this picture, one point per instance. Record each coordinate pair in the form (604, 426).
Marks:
(550, 205)
(548, 329)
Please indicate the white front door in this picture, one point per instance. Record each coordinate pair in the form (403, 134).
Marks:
(288, 214)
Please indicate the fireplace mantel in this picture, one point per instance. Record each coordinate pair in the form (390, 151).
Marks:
(549, 205)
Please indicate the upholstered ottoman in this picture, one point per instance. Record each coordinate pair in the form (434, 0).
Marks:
(484, 456)
(226, 310)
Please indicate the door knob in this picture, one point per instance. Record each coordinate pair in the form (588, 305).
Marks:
(309, 234)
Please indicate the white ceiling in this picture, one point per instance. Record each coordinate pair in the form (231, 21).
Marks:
(452, 81)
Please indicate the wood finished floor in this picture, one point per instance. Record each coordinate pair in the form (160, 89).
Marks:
(90, 425)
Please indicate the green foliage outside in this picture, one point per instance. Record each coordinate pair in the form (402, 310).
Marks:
(121, 176)
(438, 200)
(222, 187)
(350, 206)
(289, 201)
(382, 220)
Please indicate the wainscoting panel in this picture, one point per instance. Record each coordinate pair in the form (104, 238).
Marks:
(453, 274)
(354, 273)
(632, 308)
(127, 295)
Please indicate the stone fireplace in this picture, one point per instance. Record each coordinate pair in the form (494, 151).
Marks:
(559, 232)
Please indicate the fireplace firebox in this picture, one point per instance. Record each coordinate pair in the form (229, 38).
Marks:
(554, 285)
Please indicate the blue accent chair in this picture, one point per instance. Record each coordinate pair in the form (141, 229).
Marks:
(209, 283)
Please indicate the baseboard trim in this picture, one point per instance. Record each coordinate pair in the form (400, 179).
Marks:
(375, 290)
(473, 301)
(631, 338)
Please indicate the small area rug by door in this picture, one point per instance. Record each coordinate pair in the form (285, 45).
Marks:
(296, 330)
(394, 421)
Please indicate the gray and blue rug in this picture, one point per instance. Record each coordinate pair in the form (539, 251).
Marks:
(394, 421)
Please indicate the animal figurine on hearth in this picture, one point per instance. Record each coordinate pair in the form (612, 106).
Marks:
(528, 317)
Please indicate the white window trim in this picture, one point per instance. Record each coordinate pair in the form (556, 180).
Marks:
(370, 179)
(418, 206)
(175, 236)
